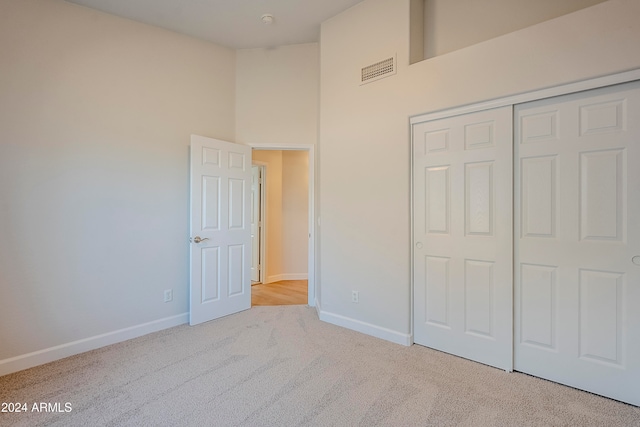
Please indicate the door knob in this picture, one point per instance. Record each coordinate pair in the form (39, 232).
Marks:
(198, 239)
(636, 260)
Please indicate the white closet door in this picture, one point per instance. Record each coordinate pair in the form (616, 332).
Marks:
(577, 296)
(463, 236)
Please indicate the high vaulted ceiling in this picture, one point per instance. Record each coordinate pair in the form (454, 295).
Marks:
(232, 23)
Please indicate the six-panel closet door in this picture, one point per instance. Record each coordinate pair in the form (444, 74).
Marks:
(556, 293)
(577, 230)
(462, 177)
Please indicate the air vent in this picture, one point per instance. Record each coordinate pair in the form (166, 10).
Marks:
(379, 70)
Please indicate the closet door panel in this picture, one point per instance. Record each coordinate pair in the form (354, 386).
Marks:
(463, 236)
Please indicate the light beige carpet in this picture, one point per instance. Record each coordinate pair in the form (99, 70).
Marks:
(281, 366)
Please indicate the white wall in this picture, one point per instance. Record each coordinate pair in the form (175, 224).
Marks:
(364, 132)
(453, 24)
(277, 95)
(295, 213)
(287, 202)
(95, 118)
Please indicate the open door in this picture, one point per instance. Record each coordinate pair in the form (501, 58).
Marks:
(257, 172)
(220, 229)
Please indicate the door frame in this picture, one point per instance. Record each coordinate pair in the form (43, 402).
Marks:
(535, 95)
(312, 290)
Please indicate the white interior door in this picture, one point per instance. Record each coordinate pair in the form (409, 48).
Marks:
(463, 236)
(577, 296)
(256, 221)
(220, 229)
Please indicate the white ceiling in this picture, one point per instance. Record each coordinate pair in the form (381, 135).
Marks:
(231, 23)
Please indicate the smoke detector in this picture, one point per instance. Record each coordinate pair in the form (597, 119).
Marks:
(267, 19)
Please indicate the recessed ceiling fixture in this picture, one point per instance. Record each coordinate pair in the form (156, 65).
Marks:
(267, 19)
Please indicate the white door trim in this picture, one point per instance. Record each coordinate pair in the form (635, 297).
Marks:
(563, 89)
(310, 148)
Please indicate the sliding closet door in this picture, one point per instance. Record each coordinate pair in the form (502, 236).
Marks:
(577, 271)
(462, 175)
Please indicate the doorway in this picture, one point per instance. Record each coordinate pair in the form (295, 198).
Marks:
(282, 234)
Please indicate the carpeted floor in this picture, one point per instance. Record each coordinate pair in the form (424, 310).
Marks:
(281, 366)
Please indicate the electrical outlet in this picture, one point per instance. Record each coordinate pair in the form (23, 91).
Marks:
(355, 296)
(168, 295)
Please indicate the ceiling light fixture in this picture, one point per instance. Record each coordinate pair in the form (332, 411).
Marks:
(267, 19)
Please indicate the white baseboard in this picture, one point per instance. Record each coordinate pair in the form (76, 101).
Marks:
(40, 357)
(287, 276)
(364, 327)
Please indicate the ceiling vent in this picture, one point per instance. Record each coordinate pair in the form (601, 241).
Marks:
(379, 70)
